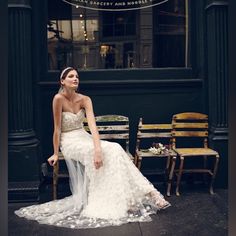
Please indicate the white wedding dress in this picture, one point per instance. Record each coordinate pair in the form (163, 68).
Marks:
(114, 194)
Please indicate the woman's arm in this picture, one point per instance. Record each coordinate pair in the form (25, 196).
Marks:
(93, 129)
(57, 111)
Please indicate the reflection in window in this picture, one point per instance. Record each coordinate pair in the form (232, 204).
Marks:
(118, 23)
(88, 39)
(171, 36)
(83, 30)
(60, 44)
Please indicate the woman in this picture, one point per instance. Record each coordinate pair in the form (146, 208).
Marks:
(107, 188)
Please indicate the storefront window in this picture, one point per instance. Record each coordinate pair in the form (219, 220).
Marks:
(171, 34)
(116, 24)
(147, 38)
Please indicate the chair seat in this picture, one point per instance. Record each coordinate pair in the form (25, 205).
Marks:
(195, 152)
(61, 157)
(147, 153)
(65, 175)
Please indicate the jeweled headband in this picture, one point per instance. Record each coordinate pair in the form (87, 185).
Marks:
(62, 73)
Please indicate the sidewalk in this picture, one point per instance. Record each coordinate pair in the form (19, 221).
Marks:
(194, 213)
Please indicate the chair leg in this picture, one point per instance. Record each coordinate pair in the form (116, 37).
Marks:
(136, 159)
(139, 162)
(173, 160)
(168, 162)
(214, 174)
(167, 169)
(55, 180)
(205, 167)
(179, 175)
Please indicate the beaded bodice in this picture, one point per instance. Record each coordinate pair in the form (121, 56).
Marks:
(71, 121)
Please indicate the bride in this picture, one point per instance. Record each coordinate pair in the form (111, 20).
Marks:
(107, 188)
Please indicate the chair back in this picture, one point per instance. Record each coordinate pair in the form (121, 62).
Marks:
(190, 124)
(112, 127)
(153, 131)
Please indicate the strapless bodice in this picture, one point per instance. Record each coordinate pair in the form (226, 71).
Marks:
(71, 121)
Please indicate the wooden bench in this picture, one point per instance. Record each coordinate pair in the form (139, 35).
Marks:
(110, 127)
(150, 133)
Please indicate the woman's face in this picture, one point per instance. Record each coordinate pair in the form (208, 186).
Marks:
(71, 81)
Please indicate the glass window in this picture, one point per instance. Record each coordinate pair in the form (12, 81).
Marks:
(154, 37)
(171, 34)
(118, 23)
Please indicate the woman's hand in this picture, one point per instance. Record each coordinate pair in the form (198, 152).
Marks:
(53, 160)
(98, 159)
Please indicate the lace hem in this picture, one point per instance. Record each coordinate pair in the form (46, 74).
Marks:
(75, 219)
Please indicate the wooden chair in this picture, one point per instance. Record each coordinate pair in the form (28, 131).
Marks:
(115, 127)
(110, 127)
(195, 126)
(146, 135)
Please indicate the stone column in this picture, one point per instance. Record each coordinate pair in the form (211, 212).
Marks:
(217, 67)
(23, 145)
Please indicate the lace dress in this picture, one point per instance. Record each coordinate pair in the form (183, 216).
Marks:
(114, 194)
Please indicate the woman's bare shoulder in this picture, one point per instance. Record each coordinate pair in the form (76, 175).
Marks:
(85, 100)
(84, 97)
(58, 97)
